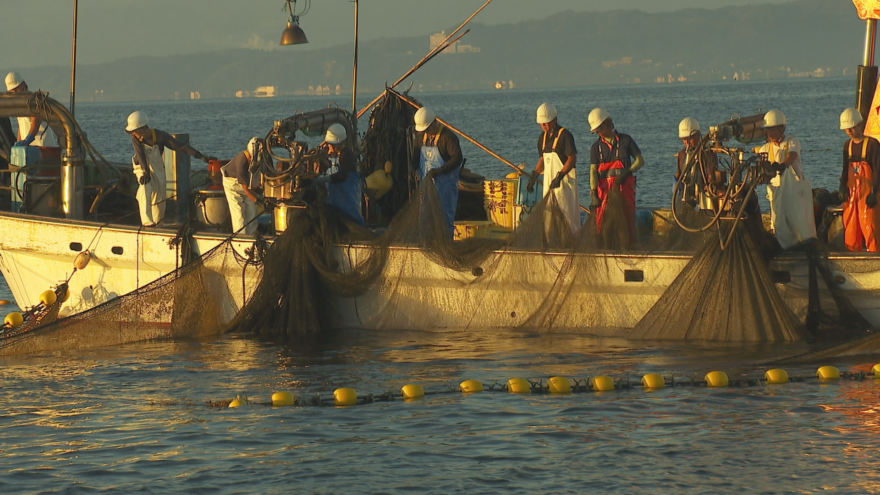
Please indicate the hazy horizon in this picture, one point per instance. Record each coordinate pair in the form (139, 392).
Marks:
(109, 30)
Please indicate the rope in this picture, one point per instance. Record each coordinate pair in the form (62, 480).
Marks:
(538, 386)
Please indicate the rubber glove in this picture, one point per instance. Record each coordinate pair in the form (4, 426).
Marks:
(144, 179)
(843, 192)
(871, 200)
(266, 203)
(209, 158)
(530, 185)
(26, 141)
(778, 167)
(557, 181)
(434, 172)
(595, 202)
(627, 173)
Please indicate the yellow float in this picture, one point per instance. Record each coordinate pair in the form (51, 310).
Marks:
(519, 386)
(345, 397)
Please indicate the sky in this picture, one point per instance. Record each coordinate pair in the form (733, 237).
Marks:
(38, 32)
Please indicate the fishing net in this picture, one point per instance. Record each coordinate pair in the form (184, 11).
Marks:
(724, 295)
(651, 280)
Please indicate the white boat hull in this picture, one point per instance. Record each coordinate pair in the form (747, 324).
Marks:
(414, 292)
(37, 254)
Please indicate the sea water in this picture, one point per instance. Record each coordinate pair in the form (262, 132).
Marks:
(136, 418)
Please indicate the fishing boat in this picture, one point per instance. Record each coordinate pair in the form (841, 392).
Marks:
(60, 206)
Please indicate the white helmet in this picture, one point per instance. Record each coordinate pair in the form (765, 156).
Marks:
(597, 117)
(335, 134)
(546, 113)
(423, 118)
(136, 120)
(774, 118)
(850, 118)
(13, 80)
(687, 127)
(252, 147)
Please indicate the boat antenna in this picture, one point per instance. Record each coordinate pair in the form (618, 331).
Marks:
(354, 75)
(73, 60)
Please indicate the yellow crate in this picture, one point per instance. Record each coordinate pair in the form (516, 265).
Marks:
(466, 230)
(498, 198)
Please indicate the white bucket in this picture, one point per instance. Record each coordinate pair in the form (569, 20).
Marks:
(212, 210)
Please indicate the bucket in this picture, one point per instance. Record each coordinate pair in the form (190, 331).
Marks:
(212, 210)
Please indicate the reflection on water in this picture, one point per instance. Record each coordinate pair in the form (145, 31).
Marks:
(123, 418)
(135, 418)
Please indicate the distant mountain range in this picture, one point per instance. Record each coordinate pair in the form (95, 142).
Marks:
(802, 38)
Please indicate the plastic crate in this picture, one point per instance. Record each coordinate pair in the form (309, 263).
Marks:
(468, 229)
(498, 198)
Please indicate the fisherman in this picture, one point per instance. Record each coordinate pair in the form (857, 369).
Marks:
(557, 159)
(791, 215)
(439, 158)
(691, 137)
(706, 180)
(342, 180)
(614, 157)
(27, 136)
(858, 183)
(237, 186)
(149, 166)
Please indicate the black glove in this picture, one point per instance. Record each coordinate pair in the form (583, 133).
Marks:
(266, 203)
(627, 173)
(434, 172)
(777, 167)
(530, 185)
(595, 202)
(207, 159)
(871, 200)
(843, 192)
(557, 181)
(144, 179)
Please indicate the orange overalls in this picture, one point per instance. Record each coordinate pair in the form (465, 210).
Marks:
(859, 221)
(609, 169)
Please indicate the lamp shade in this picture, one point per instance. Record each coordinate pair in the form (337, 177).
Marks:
(293, 34)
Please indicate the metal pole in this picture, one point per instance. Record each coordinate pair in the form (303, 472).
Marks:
(870, 41)
(354, 75)
(73, 60)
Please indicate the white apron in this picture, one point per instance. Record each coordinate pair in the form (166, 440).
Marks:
(567, 193)
(241, 209)
(791, 198)
(151, 196)
(445, 184)
(791, 201)
(45, 137)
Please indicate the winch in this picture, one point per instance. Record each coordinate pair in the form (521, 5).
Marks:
(719, 180)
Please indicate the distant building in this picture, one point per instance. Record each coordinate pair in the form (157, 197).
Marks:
(437, 38)
(265, 92)
(195, 95)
